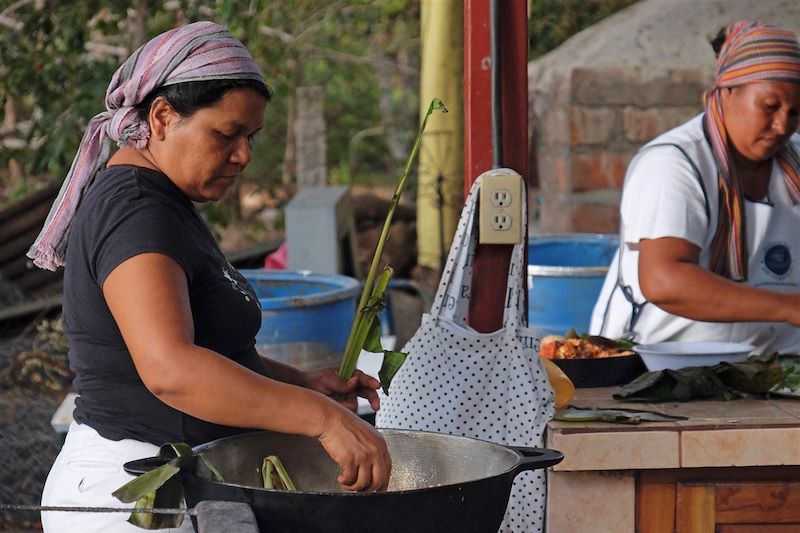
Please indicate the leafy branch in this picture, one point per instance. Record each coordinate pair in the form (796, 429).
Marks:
(366, 328)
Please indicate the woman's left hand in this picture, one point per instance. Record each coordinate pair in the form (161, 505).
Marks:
(328, 382)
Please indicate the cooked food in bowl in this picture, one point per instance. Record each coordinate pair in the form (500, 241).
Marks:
(592, 361)
(584, 347)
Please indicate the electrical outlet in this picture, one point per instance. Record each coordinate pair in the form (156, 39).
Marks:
(501, 198)
(500, 222)
(500, 207)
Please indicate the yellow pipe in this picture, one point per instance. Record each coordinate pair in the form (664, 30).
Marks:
(440, 186)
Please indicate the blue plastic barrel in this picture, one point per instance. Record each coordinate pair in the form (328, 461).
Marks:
(305, 317)
(565, 275)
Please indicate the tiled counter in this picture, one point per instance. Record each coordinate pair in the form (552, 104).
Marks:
(677, 476)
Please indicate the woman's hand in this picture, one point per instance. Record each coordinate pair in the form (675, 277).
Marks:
(358, 449)
(328, 382)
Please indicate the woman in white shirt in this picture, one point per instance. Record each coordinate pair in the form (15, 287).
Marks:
(710, 213)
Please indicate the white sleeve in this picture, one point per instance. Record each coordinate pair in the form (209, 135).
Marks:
(663, 197)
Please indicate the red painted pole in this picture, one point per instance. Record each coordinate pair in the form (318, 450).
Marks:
(492, 260)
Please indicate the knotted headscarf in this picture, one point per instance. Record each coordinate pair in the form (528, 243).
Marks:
(752, 52)
(196, 52)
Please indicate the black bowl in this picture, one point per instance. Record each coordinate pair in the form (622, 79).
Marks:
(602, 372)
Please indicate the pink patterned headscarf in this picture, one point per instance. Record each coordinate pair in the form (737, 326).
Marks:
(752, 52)
(195, 52)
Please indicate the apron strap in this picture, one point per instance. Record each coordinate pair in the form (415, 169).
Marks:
(627, 290)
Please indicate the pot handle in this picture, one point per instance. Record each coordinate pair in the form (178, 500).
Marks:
(142, 466)
(534, 458)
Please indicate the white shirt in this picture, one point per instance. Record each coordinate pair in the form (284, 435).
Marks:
(671, 191)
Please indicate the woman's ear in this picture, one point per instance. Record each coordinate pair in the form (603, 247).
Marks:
(162, 115)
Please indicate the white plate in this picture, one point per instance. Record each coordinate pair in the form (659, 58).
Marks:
(785, 392)
(676, 354)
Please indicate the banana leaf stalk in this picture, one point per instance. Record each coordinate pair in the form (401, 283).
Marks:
(365, 331)
(275, 475)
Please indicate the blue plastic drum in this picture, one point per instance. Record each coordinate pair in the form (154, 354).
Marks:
(565, 275)
(305, 317)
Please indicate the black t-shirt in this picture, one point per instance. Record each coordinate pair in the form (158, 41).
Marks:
(130, 210)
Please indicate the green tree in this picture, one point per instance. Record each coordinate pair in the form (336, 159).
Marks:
(56, 59)
(51, 80)
(552, 22)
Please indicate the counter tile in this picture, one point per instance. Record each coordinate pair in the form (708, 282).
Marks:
(602, 393)
(789, 406)
(745, 432)
(740, 447)
(599, 502)
(616, 450)
(733, 414)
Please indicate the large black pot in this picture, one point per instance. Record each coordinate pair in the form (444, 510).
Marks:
(439, 483)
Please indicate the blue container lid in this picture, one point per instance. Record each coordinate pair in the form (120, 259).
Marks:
(280, 289)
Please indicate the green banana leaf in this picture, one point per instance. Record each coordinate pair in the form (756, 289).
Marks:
(168, 496)
(275, 475)
(617, 416)
(159, 488)
(392, 361)
(725, 381)
(755, 375)
(146, 483)
(791, 373)
(365, 331)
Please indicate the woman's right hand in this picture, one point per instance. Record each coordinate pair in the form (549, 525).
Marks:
(358, 449)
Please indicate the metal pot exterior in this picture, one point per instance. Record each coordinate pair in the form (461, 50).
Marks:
(439, 483)
(476, 507)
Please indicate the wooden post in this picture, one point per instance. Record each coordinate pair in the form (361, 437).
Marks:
(492, 261)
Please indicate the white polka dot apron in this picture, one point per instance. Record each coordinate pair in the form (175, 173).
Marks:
(489, 386)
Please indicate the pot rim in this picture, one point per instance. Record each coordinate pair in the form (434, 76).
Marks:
(545, 457)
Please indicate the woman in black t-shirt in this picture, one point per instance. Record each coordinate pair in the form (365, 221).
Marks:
(161, 327)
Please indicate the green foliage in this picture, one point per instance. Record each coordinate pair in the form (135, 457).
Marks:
(17, 191)
(552, 22)
(57, 85)
(364, 53)
(339, 44)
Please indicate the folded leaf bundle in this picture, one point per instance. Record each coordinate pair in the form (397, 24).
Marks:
(275, 475)
(724, 381)
(160, 488)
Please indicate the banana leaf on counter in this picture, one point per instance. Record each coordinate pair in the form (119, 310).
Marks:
(615, 416)
(725, 381)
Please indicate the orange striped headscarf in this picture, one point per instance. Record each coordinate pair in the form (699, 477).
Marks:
(752, 52)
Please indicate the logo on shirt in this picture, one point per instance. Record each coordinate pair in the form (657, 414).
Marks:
(777, 260)
(238, 283)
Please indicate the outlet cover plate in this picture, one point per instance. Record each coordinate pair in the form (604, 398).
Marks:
(500, 212)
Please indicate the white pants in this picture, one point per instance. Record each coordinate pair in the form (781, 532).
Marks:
(85, 473)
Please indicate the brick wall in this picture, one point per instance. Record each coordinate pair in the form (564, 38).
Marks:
(586, 124)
